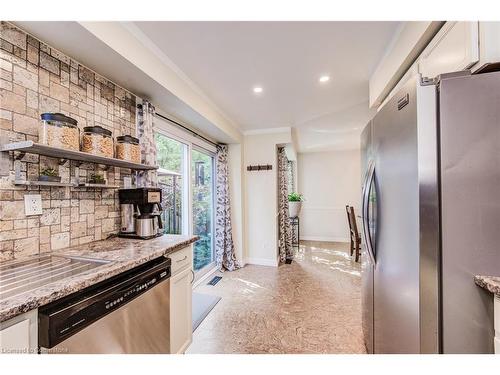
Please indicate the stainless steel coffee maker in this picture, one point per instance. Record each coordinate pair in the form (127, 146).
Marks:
(140, 210)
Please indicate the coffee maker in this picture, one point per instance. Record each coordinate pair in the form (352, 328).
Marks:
(140, 210)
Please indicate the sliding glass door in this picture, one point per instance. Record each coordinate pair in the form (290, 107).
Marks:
(202, 183)
(186, 176)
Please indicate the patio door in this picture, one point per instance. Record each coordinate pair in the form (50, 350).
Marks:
(202, 185)
(187, 176)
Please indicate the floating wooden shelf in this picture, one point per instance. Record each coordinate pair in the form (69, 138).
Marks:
(43, 183)
(64, 184)
(102, 186)
(55, 152)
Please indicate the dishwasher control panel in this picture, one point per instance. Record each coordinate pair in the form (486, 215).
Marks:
(61, 319)
(139, 288)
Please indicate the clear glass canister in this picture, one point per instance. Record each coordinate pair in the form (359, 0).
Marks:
(97, 141)
(127, 148)
(58, 130)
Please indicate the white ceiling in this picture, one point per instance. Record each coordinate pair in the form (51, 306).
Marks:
(76, 41)
(227, 59)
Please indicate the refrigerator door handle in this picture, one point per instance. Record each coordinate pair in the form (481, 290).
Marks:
(365, 205)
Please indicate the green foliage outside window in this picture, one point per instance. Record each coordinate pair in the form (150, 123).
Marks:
(170, 156)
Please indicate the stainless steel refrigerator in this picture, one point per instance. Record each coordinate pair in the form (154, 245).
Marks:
(431, 216)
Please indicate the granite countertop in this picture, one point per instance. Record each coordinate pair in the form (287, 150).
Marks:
(123, 255)
(490, 283)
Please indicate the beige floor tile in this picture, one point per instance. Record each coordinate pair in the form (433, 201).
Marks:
(310, 306)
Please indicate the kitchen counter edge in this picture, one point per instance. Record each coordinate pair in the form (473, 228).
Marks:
(136, 252)
(490, 283)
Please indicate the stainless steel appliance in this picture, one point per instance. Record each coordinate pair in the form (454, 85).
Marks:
(141, 213)
(128, 313)
(431, 213)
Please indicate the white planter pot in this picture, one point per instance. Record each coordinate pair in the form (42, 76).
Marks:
(294, 208)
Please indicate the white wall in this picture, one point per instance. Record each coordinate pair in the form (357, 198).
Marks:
(329, 181)
(237, 195)
(261, 234)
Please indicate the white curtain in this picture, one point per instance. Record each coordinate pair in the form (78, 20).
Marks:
(285, 233)
(145, 117)
(224, 247)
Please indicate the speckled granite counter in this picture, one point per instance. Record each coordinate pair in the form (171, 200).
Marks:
(490, 283)
(124, 254)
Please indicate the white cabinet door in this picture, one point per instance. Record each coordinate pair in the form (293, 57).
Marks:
(181, 325)
(489, 44)
(16, 338)
(455, 47)
(20, 334)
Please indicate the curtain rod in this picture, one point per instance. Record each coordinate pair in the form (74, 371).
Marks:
(187, 129)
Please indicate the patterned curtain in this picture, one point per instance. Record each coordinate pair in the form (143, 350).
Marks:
(224, 246)
(285, 233)
(145, 116)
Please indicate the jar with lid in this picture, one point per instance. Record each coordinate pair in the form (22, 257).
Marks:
(58, 130)
(127, 148)
(97, 141)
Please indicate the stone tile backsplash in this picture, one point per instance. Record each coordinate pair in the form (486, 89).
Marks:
(35, 78)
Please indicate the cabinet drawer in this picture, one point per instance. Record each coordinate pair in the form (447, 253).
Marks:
(182, 259)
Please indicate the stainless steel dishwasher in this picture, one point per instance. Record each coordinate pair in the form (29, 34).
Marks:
(128, 313)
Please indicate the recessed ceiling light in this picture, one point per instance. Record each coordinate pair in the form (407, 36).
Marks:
(324, 79)
(257, 89)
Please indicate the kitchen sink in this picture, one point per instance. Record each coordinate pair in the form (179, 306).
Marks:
(20, 276)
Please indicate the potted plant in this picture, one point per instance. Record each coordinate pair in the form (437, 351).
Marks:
(295, 204)
(96, 178)
(49, 174)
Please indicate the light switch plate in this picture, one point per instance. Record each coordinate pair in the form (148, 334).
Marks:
(32, 204)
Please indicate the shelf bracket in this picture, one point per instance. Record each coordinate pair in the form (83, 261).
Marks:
(77, 174)
(103, 167)
(17, 170)
(20, 155)
(62, 161)
(135, 177)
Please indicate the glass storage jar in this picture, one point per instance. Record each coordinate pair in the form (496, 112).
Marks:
(127, 148)
(58, 130)
(97, 141)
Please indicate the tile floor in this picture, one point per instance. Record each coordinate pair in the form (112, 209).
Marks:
(310, 306)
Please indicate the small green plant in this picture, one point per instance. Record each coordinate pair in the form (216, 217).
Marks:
(96, 178)
(49, 172)
(295, 197)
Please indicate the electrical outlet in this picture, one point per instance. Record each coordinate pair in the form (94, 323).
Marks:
(32, 204)
(127, 182)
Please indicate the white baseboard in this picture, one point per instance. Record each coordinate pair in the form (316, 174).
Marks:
(325, 238)
(262, 262)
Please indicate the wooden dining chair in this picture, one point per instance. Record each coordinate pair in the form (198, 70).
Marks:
(348, 211)
(354, 234)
